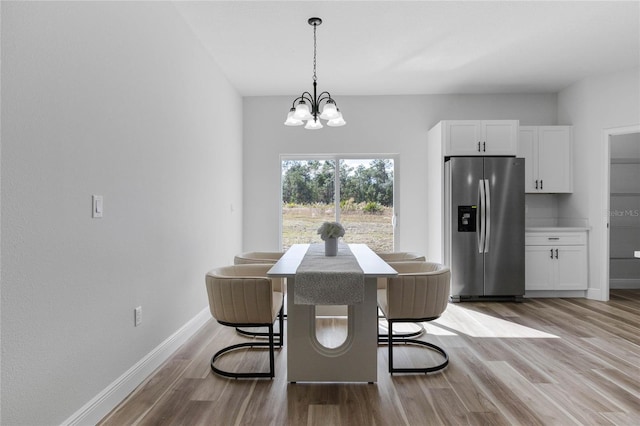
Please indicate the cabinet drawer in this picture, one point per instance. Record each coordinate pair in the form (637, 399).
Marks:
(557, 238)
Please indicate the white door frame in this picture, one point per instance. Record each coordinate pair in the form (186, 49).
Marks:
(606, 196)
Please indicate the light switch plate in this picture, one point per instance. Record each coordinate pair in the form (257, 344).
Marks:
(97, 206)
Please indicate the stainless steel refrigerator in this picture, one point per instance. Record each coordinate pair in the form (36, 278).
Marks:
(484, 227)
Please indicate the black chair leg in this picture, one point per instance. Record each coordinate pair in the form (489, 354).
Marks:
(269, 374)
(281, 324)
(431, 346)
(263, 335)
(390, 337)
(383, 337)
(270, 345)
(271, 352)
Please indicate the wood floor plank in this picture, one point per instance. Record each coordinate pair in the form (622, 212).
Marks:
(543, 361)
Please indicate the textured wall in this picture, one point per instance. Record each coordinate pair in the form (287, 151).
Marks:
(117, 99)
(591, 106)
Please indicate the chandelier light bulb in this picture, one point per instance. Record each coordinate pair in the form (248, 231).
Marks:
(302, 111)
(336, 122)
(329, 112)
(314, 124)
(291, 120)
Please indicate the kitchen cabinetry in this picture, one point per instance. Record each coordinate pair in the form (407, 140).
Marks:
(480, 137)
(556, 260)
(548, 154)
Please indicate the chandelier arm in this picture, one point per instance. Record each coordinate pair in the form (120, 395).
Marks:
(325, 96)
(306, 96)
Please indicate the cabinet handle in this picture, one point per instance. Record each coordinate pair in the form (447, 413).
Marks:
(478, 146)
(541, 184)
(556, 253)
(536, 183)
(553, 238)
(484, 146)
(551, 253)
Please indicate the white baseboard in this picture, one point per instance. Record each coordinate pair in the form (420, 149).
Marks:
(553, 293)
(621, 283)
(100, 405)
(596, 294)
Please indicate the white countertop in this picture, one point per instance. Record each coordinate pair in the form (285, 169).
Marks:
(556, 229)
(556, 225)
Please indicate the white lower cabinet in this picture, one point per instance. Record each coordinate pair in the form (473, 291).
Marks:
(556, 261)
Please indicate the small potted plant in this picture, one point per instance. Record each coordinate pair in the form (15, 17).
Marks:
(330, 232)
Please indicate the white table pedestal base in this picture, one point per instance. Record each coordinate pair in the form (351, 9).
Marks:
(355, 360)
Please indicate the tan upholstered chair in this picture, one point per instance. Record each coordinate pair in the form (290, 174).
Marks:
(262, 257)
(400, 256)
(243, 295)
(420, 292)
(257, 257)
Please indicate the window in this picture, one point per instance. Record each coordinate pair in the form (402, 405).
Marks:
(361, 199)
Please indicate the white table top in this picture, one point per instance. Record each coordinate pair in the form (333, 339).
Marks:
(372, 265)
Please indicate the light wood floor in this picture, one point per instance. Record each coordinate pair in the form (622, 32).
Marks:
(540, 362)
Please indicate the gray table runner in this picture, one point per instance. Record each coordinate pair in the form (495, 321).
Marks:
(334, 280)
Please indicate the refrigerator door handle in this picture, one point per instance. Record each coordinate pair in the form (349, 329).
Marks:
(487, 218)
(481, 218)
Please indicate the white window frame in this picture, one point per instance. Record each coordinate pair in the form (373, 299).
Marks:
(337, 158)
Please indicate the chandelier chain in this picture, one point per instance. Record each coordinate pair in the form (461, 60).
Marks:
(314, 52)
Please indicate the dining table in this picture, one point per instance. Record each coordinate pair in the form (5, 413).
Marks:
(313, 279)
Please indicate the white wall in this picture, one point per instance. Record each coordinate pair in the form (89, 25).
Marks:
(117, 99)
(375, 124)
(592, 105)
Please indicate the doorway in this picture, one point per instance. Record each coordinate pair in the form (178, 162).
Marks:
(624, 211)
(619, 204)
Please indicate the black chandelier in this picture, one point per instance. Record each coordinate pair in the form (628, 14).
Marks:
(306, 107)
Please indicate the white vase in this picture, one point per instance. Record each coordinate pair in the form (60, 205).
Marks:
(331, 247)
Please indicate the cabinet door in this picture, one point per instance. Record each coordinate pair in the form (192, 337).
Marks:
(555, 158)
(528, 149)
(572, 268)
(463, 137)
(499, 137)
(540, 268)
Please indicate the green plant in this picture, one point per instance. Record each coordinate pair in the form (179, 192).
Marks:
(372, 207)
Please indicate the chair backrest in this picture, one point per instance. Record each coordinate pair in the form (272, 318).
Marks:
(420, 291)
(257, 257)
(398, 256)
(242, 294)
(261, 257)
(401, 256)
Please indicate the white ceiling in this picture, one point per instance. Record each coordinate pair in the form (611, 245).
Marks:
(416, 47)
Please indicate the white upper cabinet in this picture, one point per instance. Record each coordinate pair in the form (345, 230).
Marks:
(480, 137)
(548, 154)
